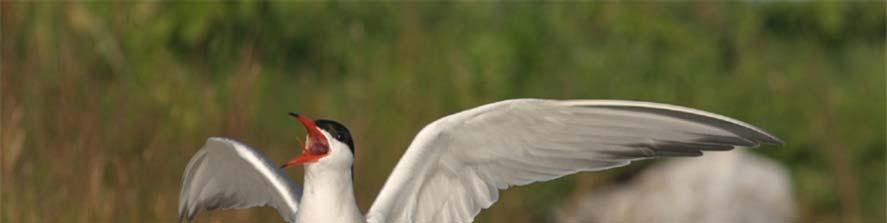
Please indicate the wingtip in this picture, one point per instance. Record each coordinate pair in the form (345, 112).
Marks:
(772, 140)
(183, 212)
(767, 138)
(186, 216)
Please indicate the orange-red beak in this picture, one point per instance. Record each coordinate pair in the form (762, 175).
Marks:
(315, 147)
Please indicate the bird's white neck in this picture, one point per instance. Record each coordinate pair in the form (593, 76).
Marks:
(328, 196)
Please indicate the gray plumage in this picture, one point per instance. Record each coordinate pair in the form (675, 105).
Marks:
(456, 165)
(226, 174)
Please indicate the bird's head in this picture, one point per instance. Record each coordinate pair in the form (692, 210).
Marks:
(327, 142)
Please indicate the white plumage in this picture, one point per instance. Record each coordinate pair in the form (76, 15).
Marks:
(456, 165)
(226, 174)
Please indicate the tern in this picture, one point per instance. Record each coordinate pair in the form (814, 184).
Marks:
(456, 165)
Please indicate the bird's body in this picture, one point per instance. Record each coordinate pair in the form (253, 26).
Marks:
(456, 165)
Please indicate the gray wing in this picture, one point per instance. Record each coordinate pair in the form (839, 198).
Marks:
(227, 174)
(456, 165)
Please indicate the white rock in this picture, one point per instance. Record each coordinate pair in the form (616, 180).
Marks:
(723, 187)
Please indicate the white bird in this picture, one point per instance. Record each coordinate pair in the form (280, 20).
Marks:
(456, 165)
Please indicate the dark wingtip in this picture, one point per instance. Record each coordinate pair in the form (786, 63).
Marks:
(183, 216)
(772, 140)
(295, 115)
(187, 214)
(767, 138)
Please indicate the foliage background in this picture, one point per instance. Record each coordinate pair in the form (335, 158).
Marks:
(103, 103)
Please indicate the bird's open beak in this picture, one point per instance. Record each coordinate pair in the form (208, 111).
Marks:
(315, 147)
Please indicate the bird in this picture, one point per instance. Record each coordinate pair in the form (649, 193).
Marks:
(456, 165)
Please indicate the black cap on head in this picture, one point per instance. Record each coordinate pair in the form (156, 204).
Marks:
(337, 130)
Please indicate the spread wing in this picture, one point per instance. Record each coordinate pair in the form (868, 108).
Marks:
(227, 174)
(456, 165)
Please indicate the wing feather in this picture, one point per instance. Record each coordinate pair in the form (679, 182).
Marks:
(226, 174)
(456, 165)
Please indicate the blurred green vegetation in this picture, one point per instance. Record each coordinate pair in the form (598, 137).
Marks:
(104, 103)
